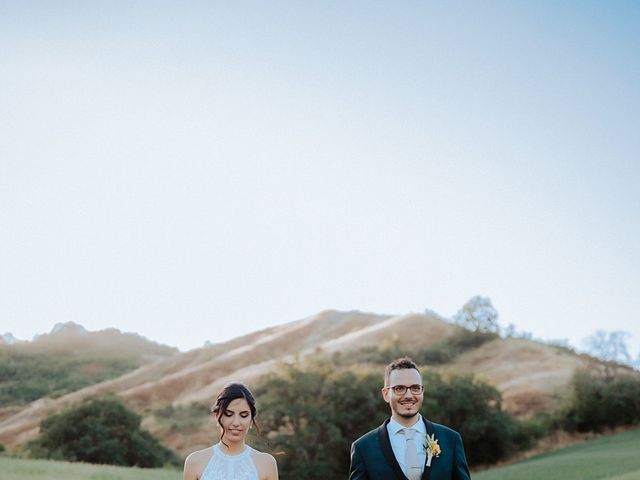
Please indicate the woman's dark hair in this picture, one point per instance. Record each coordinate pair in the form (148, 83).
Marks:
(230, 392)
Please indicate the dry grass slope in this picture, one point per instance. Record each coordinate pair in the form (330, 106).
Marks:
(530, 375)
(197, 375)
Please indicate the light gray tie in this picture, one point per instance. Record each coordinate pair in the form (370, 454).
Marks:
(411, 460)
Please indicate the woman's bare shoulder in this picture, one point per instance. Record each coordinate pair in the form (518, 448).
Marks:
(266, 465)
(205, 453)
(196, 462)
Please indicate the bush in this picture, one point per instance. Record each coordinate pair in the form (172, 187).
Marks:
(438, 353)
(187, 418)
(599, 403)
(447, 350)
(314, 413)
(473, 408)
(25, 377)
(100, 430)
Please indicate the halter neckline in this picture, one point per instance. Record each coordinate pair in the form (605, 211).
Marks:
(244, 452)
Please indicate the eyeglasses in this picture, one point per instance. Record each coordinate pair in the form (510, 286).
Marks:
(402, 389)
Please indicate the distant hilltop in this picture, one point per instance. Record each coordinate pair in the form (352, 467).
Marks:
(73, 330)
(8, 338)
(64, 328)
(69, 328)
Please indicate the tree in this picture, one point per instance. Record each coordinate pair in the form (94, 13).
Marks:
(611, 348)
(479, 315)
(510, 331)
(473, 407)
(314, 413)
(100, 430)
(600, 403)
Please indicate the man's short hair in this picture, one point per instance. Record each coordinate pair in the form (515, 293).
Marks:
(399, 364)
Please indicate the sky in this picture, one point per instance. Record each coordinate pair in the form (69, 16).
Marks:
(193, 171)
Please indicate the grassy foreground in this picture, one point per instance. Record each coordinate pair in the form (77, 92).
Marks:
(616, 457)
(20, 469)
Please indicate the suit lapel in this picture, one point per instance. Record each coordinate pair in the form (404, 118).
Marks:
(385, 446)
(430, 431)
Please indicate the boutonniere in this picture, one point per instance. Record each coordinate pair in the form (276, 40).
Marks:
(431, 447)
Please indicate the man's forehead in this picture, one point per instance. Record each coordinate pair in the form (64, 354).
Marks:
(402, 375)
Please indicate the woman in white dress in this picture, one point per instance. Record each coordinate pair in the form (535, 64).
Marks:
(231, 458)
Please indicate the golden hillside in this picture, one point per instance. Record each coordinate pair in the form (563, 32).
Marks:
(530, 375)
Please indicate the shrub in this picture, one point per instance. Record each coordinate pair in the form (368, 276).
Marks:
(599, 403)
(447, 350)
(183, 418)
(100, 430)
(465, 340)
(25, 377)
(314, 413)
(438, 353)
(473, 408)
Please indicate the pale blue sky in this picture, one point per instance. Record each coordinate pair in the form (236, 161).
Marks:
(193, 171)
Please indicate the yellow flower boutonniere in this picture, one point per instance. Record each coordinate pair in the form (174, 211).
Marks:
(431, 447)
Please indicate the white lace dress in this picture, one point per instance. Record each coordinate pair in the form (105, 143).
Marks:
(230, 467)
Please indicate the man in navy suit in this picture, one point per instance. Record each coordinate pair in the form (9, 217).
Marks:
(407, 446)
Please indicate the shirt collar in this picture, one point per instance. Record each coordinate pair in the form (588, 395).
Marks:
(394, 427)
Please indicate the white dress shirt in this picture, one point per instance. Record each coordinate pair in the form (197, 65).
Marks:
(399, 441)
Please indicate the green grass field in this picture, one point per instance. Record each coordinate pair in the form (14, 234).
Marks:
(19, 469)
(615, 457)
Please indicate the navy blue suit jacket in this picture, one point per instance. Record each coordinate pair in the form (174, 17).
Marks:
(372, 457)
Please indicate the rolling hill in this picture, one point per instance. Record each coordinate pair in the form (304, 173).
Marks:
(68, 359)
(530, 375)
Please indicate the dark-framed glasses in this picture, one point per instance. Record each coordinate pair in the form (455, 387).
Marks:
(402, 389)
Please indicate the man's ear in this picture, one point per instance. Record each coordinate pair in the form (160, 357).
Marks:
(385, 393)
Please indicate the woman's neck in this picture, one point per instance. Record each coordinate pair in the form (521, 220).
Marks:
(232, 448)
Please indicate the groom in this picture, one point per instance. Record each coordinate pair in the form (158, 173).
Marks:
(407, 446)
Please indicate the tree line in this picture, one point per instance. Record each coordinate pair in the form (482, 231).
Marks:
(311, 411)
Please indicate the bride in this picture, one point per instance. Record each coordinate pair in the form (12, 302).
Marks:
(231, 458)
